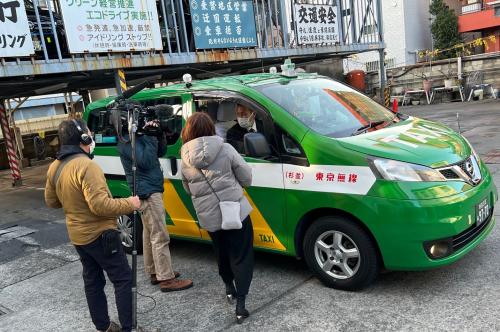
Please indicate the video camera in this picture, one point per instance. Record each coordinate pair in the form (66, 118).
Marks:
(150, 120)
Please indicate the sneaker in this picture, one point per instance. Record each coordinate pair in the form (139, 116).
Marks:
(155, 281)
(172, 285)
(113, 327)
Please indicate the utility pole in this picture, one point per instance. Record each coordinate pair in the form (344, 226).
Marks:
(381, 50)
(10, 144)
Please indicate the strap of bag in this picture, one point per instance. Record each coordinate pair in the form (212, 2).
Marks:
(208, 182)
(61, 166)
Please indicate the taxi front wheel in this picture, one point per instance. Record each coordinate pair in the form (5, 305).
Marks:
(340, 253)
(125, 227)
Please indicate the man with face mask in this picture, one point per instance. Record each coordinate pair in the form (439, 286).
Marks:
(246, 124)
(77, 184)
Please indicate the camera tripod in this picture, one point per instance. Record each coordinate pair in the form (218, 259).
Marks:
(122, 102)
(132, 129)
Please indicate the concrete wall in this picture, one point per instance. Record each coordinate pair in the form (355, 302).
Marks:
(410, 77)
(395, 26)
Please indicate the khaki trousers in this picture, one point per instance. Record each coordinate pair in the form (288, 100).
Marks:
(155, 238)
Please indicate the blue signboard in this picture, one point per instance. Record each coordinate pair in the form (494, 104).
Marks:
(223, 24)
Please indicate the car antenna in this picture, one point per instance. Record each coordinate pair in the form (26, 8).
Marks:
(217, 74)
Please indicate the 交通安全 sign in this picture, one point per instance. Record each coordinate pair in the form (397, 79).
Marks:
(223, 24)
(111, 25)
(15, 35)
(316, 24)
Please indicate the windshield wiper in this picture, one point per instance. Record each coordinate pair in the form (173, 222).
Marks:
(365, 128)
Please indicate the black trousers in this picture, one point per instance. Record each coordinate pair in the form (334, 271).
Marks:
(94, 261)
(234, 251)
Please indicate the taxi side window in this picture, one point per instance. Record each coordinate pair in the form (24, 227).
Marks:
(220, 111)
(223, 113)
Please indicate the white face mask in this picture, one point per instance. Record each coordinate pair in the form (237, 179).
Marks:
(245, 123)
(92, 147)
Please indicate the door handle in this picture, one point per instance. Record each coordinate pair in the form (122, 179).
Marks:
(173, 165)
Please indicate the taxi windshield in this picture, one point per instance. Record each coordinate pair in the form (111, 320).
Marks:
(327, 107)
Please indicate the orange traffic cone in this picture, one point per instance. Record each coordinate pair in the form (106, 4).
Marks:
(395, 106)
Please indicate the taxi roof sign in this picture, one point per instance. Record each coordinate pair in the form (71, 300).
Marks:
(288, 69)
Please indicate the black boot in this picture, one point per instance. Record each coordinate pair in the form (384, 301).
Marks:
(230, 293)
(241, 311)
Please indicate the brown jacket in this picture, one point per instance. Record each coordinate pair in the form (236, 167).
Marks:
(84, 195)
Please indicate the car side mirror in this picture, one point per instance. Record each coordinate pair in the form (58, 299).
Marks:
(256, 145)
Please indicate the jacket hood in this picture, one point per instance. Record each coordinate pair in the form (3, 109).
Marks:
(201, 151)
(68, 150)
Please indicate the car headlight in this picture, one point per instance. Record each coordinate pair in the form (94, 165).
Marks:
(395, 170)
(474, 153)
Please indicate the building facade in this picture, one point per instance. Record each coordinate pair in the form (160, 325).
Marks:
(479, 18)
(406, 29)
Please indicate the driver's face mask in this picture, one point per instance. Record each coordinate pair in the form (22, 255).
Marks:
(245, 123)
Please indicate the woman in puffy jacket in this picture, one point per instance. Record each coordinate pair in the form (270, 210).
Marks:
(212, 171)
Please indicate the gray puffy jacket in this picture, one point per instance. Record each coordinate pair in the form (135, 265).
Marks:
(226, 171)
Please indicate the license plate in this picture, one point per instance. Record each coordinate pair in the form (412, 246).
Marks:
(482, 211)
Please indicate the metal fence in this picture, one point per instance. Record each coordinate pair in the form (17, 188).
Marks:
(373, 66)
(276, 27)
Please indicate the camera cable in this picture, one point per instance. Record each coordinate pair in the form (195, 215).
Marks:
(152, 299)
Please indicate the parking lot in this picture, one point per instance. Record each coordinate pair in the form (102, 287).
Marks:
(41, 287)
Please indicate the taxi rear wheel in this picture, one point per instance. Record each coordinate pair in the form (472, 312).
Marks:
(125, 227)
(340, 253)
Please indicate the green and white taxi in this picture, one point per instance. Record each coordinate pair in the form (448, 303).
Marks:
(341, 181)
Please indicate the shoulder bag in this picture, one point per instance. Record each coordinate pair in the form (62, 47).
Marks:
(230, 211)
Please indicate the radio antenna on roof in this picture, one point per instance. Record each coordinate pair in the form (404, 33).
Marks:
(216, 74)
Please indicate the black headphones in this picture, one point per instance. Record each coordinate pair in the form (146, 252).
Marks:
(85, 138)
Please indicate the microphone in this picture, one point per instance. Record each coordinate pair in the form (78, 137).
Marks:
(162, 109)
(132, 91)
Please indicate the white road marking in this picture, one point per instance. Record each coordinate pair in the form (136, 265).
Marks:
(15, 232)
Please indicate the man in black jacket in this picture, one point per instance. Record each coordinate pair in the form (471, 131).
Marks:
(156, 252)
(246, 124)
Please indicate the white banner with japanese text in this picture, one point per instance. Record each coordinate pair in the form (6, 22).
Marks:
(111, 25)
(316, 24)
(15, 36)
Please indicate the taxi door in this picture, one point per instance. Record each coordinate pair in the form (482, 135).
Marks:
(266, 195)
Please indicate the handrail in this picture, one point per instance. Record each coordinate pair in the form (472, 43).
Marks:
(276, 28)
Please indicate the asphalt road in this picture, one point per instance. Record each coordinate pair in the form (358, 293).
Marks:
(41, 287)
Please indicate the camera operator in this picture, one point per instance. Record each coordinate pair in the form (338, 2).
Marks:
(150, 145)
(77, 184)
